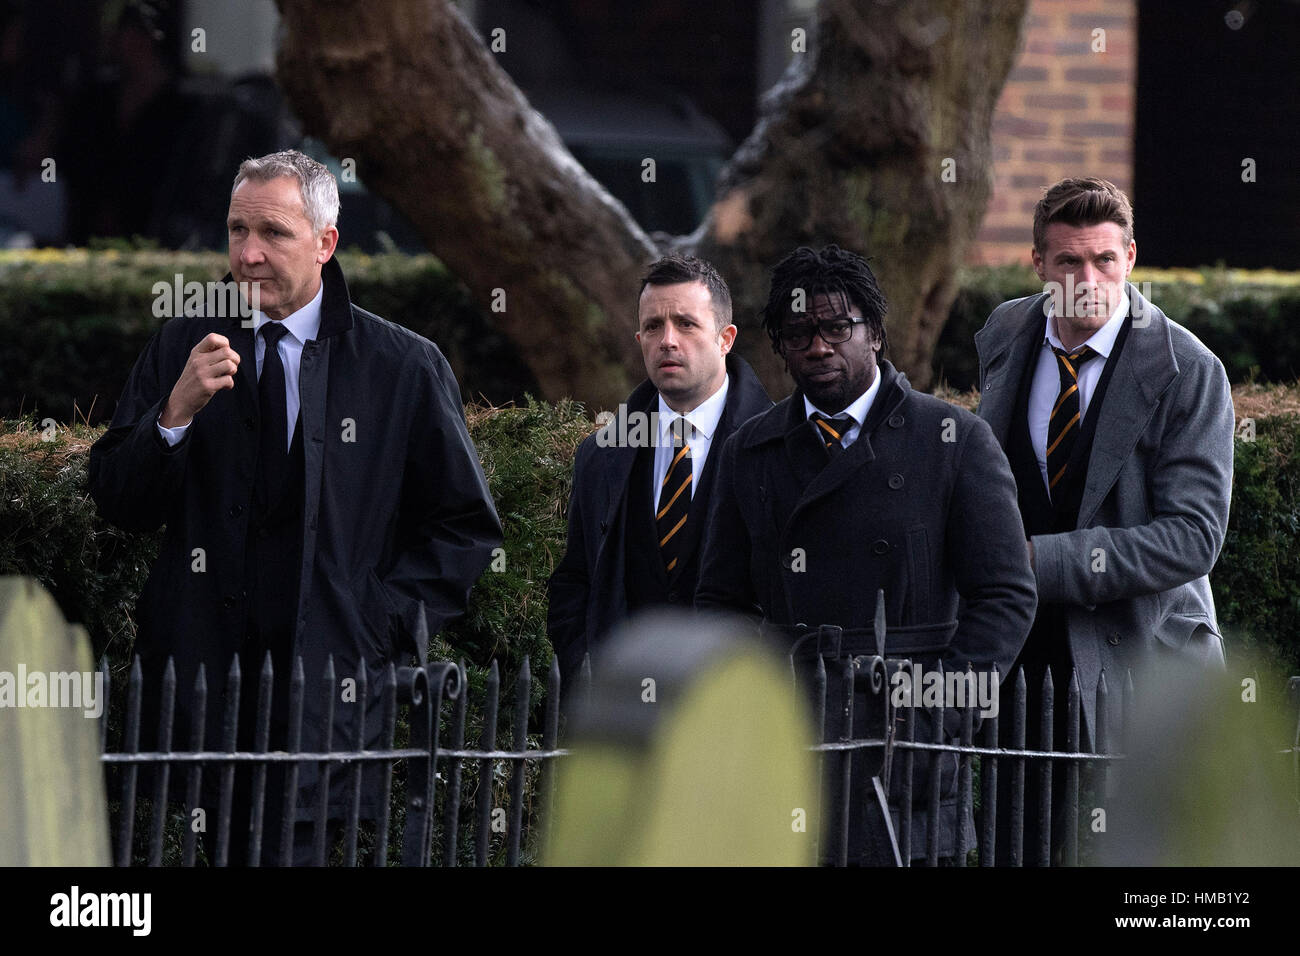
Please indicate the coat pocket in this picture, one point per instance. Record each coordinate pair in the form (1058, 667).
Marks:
(377, 614)
(918, 575)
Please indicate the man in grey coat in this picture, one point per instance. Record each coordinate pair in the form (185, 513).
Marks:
(1118, 424)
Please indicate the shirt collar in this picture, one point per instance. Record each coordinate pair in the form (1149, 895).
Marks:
(1101, 341)
(704, 417)
(303, 324)
(858, 409)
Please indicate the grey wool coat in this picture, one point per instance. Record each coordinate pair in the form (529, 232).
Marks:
(1155, 502)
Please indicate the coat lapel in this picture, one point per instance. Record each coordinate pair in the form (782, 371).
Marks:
(1004, 348)
(806, 451)
(621, 459)
(816, 476)
(1144, 370)
(241, 340)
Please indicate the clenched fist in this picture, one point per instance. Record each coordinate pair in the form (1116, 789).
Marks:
(211, 367)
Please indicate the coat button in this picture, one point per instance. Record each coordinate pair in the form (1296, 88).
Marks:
(248, 423)
(880, 546)
(895, 421)
(229, 601)
(236, 510)
(787, 561)
(604, 526)
(895, 481)
(1112, 639)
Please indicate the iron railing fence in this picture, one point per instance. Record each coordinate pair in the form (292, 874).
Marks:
(445, 794)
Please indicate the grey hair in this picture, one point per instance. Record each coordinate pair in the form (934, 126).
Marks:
(320, 193)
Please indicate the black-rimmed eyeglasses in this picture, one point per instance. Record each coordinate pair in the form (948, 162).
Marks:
(797, 336)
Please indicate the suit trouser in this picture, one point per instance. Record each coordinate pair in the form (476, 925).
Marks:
(868, 838)
(252, 656)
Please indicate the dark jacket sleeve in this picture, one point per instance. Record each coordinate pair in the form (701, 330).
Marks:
(570, 585)
(725, 583)
(990, 557)
(134, 476)
(450, 524)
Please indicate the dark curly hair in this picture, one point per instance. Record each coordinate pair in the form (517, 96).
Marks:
(830, 271)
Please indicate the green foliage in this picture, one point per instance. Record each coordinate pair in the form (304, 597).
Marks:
(1257, 580)
(49, 529)
(1251, 323)
(979, 292)
(527, 455)
(74, 323)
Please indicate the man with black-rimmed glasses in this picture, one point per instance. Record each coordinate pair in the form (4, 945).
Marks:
(854, 484)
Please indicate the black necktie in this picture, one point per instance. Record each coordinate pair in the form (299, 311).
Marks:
(273, 449)
(831, 431)
(1063, 425)
(675, 498)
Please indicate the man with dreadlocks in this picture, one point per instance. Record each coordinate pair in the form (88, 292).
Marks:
(857, 484)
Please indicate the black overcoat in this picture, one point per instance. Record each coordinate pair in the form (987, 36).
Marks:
(396, 509)
(922, 505)
(588, 591)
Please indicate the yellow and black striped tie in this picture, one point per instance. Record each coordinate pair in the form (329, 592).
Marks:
(831, 431)
(1063, 425)
(675, 498)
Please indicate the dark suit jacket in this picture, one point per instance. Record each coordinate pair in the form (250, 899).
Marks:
(396, 509)
(1155, 501)
(588, 591)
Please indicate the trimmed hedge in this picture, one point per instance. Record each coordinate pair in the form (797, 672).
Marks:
(75, 321)
(1250, 320)
(49, 529)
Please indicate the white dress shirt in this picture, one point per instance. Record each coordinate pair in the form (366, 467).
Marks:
(1046, 387)
(859, 409)
(703, 420)
(302, 326)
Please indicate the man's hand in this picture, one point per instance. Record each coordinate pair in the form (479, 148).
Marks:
(211, 367)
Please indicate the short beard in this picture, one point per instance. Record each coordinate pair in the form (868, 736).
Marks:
(830, 401)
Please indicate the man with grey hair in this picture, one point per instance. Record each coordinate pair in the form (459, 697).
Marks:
(318, 485)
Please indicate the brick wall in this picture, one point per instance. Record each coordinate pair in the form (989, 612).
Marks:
(1066, 110)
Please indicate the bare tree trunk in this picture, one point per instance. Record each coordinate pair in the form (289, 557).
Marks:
(439, 130)
(856, 146)
(877, 139)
